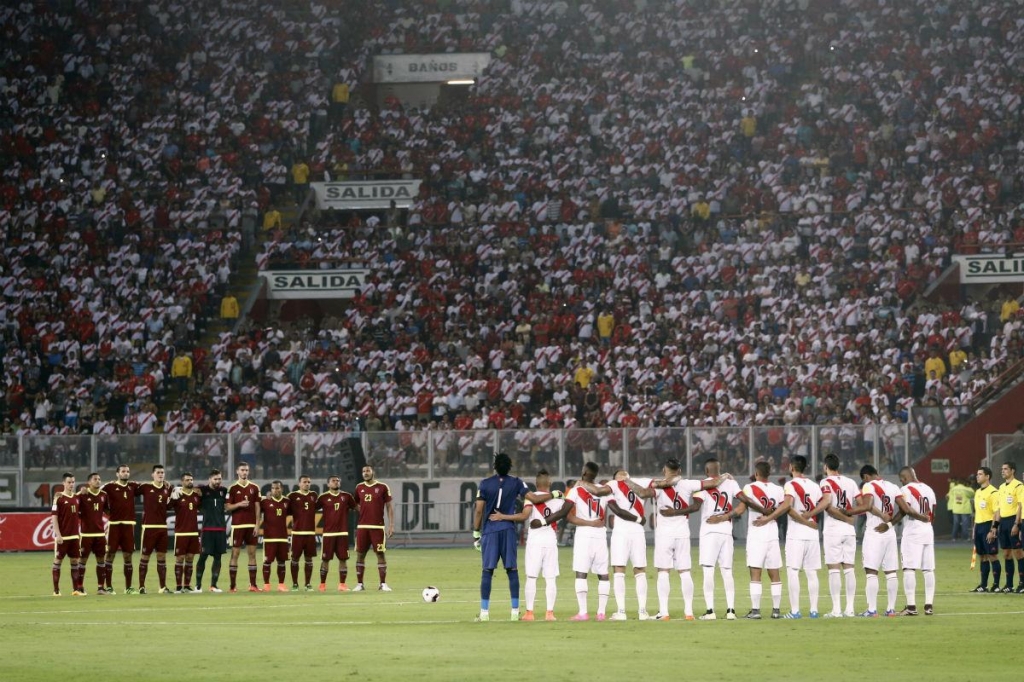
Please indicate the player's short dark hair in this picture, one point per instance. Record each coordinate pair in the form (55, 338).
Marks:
(798, 462)
(711, 460)
(66, 475)
(502, 464)
(91, 474)
(542, 472)
(330, 476)
(242, 464)
(986, 470)
(672, 464)
(868, 470)
(305, 476)
(158, 467)
(122, 466)
(763, 469)
(832, 461)
(592, 467)
(1012, 465)
(910, 469)
(276, 482)
(215, 472)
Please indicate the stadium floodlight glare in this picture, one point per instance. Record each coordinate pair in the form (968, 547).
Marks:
(462, 81)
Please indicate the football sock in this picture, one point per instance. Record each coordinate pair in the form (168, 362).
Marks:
(252, 575)
(1020, 571)
(324, 567)
(851, 588)
(179, 572)
(233, 574)
(280, 571)
(793, 576)
(892, 589)
(101, 574)
(641, 591)
(1009, 572)
(161, 572)
(619, 585)
(485, 588)
(663, 587)
(835, 587)
(309, 570)
(216, 571)
(755, 595)
(985, 568)
(129, 570)
(360, 569)
(686, 580)
(188, 573)
(550, 593)
(109, 561)
(997, 572)
(266, 572)
(871, 591)
(143, 570)
(513, 586)
(730, 587)
(55, 570)
(709, 587)
(910, 587)
(581, 594)
(929, 587)
(200, 570)
(342, 572)
(812, 590)
(295, 572)
(776, 592)
(382, 571)
(530, 590)
(604, 587)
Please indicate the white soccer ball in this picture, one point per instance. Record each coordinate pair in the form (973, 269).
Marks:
(431, 594)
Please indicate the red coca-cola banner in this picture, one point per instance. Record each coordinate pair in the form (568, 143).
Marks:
(25, 531)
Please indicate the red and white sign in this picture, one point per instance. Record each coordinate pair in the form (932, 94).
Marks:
(25, 531)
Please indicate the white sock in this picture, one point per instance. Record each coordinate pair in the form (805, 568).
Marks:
(851, 589)
(550, 593)
(686, 580)
(835, 586)
(892, 590)
(641, 591)
(581, 594)
(793, 576)
(871, 591)
(530, 590)
(755, 595)
(709, 587)
(619, 585)
(776, 590)
(929, 587)
(730, 587)
(603, 588)
(663, 591)
(910, 587)
(812, 590)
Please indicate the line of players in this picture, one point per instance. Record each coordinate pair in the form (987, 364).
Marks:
(720, 502)
(79, 520)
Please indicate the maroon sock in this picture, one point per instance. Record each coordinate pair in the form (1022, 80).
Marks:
(179, 572)
(280, 572)
(295, 572)
(188, 574)
(56, 576)
(233, 570)
(161, 573)
(360, 569)
(382, 571)
(252, 575)
(343, 572)
(266, 573)
(309, 572)
(128, 574)
(143, 570)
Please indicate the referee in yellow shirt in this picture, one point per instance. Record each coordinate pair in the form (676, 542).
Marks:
(1007, 520)
(985, 502)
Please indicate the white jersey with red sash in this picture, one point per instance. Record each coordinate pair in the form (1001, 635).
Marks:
(630, 502)
(545, 535)
(679, 496)
(588, 508)
(806, 494)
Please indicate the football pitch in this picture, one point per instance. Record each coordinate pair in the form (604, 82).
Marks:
(396, 636)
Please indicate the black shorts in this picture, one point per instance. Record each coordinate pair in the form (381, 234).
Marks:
(981, 544)
(215, 541)
(1007, 541)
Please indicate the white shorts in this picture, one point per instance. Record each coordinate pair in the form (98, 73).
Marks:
(764, 554)
(541, 560)
(716, 548)
(840, 549)
(672, 553)
(805, 554)
(590, 554)
(917, 555)
(629, 546)
(879, 551)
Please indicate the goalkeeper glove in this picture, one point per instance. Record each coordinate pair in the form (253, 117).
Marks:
(476, 540)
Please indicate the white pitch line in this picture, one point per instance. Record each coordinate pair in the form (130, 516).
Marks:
(162, 623)
(246, 607)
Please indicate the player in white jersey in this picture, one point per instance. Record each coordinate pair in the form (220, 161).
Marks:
(766, 502)
(541, 545)
(840, 537)
(878, 498)
(629, 543)
(917, 504)
(803, 546)
(716, 543)
(674, 500)
(590, 543)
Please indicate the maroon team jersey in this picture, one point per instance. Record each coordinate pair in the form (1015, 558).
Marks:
(372, 501)
(154, 504)
(91, 510)
(275, 519)
(302, 507)
(121, 499)
(66, 508)
(244, 517)
(186, 513)
(335, 512)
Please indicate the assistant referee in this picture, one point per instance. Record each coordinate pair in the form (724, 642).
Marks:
(986, 500)
(1006, 525)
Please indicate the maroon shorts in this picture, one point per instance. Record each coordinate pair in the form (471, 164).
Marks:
(94, 545)
(121, 537)
(154, 540)
(186, 544)
(370, 539)
(275, 551)
(69, 548)
(303, 545)
(335, 546)
(243, 537)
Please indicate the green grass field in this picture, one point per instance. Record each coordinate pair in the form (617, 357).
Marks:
(380, 636)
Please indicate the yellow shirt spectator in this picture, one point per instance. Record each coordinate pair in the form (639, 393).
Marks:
(1009, 309)
(701, 210)
(339, 93)
(300, 173)
(957, 358)
(935, 364)
(959, 499)
(985, 502)
(182, 366)
(229, 307)
(605, 325)
(584, 375)
(272, 219)
(748, 126)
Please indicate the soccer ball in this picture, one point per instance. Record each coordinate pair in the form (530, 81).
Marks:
(431, 594)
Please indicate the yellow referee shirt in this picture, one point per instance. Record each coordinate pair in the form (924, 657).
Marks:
(985, 503)
(1010, 496)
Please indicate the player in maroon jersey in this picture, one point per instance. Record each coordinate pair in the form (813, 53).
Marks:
(92, 508)
(66, 535)
(185, 500)
(275, 534)
(156, 497)
(302, 507)
(335, 505)
(373, 497)
(121, 526)
(243, 503)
